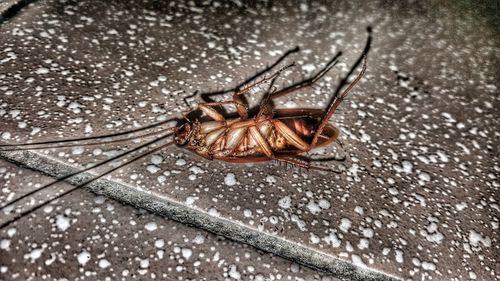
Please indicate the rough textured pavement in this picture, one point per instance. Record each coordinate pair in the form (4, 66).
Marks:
(419, 197)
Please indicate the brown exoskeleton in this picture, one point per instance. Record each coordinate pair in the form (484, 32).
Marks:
(272, 134)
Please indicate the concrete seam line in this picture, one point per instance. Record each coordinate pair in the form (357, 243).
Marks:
(177, 211)
(14, 9)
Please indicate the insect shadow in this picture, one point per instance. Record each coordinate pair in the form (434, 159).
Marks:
(184, 135)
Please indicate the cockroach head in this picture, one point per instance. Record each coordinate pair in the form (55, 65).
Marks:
(182, 134)
(185, 133)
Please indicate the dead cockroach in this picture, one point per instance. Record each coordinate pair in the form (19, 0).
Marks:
(284, 135)
(272, 134)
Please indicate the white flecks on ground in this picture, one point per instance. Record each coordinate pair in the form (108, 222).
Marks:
(428, 266)
(151, 226)
(156, 159)
(345, 224)
(230, 179)
(247, 213)
(160, 243)
(199, 239)
(62, 222)
(5, 244)
(104, 263)
(180, 162)
(285, 202)
(6, 135)
(324, 204)
(186, 253)
(476, 239)
(333, 240)
(83, 258)
(190, 200)
(34, 254)
(270, 179)
(399, 256)
(153, 169)
(143, 263)
(356, 260)
(313, 207)
(42, 70)
(422, 173)
(213, 212)
(233, 272)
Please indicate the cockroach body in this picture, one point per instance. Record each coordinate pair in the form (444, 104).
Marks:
(281, 136)
(272, 134)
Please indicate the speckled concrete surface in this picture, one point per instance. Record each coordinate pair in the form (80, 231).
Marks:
(419, 198)
(88, 237)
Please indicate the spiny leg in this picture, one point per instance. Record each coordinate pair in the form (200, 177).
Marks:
(242, 105)
(212, 113)
(303, 164)
(207, 96)
(308, 82)
(337, 99)
(336, 102)
(267, 96)
(261, 141)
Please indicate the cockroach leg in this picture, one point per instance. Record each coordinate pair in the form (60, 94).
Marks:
(242, 105)
(336, 102)
(212, 113)
(208, 96)
(267, 96)
(185, 99)
(261, 141)
(308, 82)
(291, 136)
(303, 163)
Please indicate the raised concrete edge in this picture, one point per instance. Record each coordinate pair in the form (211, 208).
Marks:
(177, 211)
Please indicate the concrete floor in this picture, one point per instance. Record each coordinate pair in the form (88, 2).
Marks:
(418, 199)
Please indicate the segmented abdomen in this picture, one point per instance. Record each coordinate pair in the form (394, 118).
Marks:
(234, 139)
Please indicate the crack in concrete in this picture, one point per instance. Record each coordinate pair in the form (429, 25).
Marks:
(177, 211)
(14, 9)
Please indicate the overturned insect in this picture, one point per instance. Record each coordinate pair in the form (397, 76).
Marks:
(265, 134)
(271, 134)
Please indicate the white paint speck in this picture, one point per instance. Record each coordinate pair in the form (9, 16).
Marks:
(104, 263)
(34, 255)
(285, 202)
(156, 159)
(160, 243)
(62, 222)
(324, 204)
(5, 244)
(345, 224)
(271, 179)
(186, 253)
(199, 239)
(333, 240)
(313, 208)
(233, 272)
(180, 162)
(356, 260)
(42, 70)
(83, 257)
(151, 226)
(230, 179)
